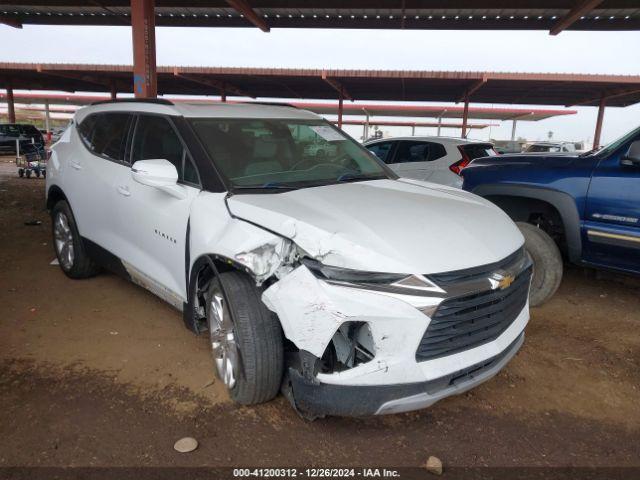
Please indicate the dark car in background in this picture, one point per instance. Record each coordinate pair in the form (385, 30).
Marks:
(29, 136)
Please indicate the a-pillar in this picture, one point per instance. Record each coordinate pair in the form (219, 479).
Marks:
(145, 81)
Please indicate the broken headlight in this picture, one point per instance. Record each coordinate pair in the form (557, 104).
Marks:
(398, 283)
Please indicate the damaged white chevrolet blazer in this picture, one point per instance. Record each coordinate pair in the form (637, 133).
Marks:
(354, 291)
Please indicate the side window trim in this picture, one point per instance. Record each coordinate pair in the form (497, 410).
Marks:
(185, 148)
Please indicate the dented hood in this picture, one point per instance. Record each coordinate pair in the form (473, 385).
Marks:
(399, 226)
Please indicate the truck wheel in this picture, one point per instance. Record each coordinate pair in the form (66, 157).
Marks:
(547, 263)
(38, 173)
(73, 258)
(21, 172)
(246, 339)
(28, 173)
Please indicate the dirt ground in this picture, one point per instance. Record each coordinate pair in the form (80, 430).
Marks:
(101, 373)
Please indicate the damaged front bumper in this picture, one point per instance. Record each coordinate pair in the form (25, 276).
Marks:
(320, 399)
(407, 368)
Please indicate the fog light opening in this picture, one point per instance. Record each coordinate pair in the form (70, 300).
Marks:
(351, 345)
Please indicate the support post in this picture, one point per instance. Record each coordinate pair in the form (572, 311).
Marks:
(465, 116)
(47, 120)
(11, 108)
(114, 91)
(413, 130)
(596, 135)
(223, 93)
(145, 81)
(340, 100)
(513, 130)
(439, 125)
(365, 132)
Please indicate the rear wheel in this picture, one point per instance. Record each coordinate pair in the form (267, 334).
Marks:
(246, 339)
(21, 172)
(70, 251)
(547, 263)
(28, 173)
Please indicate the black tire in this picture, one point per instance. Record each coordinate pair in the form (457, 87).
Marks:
(258, 337)
(28, 173)
(21, 172)
(38, 173)
(82, 265)
(44, 174)
(547, 263)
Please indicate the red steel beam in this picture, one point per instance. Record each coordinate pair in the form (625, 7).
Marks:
(465, 117)
(608, 96)
(596, 135)
(337, 86)
(145, 78)
(10, 22)
(10, 105)
(473, 88)
(243, 7)
(340, 105)
(581, 8)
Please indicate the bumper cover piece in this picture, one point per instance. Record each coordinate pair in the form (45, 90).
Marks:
(316, 399)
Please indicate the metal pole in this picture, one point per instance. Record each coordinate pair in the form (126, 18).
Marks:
(413, 130)
(513, 130)
(114, 91)
(465, 116)
(145, 81)
(596, 135)
(47, 116)
(366, 128)
(11, 109)
(340, 108)
(223, 94)
(439, 125)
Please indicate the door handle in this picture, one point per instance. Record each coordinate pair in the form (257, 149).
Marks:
(76, 166)
(124, 190)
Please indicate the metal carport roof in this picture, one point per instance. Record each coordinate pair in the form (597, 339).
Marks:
(552, 15)
(389, 85)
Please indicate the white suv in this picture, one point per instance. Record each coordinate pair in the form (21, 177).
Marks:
(434, 159)
(324, 275)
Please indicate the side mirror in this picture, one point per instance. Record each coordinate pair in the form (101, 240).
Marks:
(161, 174)
(632, 157)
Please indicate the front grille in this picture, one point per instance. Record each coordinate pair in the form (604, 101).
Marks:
(465, 322)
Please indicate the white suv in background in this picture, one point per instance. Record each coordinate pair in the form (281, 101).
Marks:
(434, 159)
(325, 275)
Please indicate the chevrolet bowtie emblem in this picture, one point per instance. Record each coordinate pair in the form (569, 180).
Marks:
(502, 281)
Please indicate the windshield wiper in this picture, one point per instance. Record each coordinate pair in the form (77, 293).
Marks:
(267, 186)
(355, 177)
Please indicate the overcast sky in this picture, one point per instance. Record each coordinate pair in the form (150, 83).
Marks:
(569, 52)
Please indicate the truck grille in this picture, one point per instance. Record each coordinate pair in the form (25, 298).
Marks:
(465, 322)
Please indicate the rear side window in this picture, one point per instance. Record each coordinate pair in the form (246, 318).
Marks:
(417, 151)
(105, 134)
(155, 138)
(474, 151)
(382, 150)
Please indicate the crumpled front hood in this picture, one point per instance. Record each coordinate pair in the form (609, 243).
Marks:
(400, 226)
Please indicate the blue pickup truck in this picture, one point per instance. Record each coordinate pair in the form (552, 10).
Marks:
(583, 207)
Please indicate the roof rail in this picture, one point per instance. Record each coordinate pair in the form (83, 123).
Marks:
(161, 101)
(270, 104)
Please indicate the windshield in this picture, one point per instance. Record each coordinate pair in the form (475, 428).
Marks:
(281, 153)
(607, 149)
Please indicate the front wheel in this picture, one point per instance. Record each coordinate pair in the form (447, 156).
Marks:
(547, 263)
(246, 339)
(72, 257)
